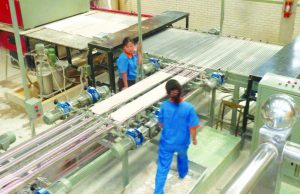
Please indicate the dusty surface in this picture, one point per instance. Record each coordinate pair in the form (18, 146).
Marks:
(12, 117)
(174, 185)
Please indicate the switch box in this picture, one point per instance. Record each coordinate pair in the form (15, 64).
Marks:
(34, 108)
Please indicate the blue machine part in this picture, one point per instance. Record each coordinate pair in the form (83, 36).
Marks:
(95, 96)
(41, 191)
(157, 112)
(155, 62)
(65, 106)
(219, 77)
(136, 135)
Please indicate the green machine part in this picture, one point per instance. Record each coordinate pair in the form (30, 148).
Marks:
(6, 140)
(275, 84)
(37, 12)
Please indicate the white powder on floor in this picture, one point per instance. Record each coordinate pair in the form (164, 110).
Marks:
(15, 119)
(144, 183)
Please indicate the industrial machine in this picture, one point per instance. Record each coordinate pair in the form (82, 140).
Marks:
(266, 170)
(272, 84)
(105, 138)
(109, 130)
(65, 109)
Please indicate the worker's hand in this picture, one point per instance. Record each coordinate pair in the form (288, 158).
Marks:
(195, 141)
(124, 88)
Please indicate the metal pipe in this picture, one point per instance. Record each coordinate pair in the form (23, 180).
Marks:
(212, 107)
(65, 185)
(19, 47)
(43, 146)
(250, 174)
(139, 9)
(20, 57)
(222, 15)
(291, 151)
(22, 149)
(118, 150)
(14, 182)
(236, 96)
(57, 149)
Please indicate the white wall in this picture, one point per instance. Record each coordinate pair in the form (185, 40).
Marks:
(258, 21)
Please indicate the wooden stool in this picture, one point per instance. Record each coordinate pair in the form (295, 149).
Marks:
(232, 105)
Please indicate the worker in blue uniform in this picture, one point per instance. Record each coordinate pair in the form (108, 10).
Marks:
(127, 63)
(179, 121)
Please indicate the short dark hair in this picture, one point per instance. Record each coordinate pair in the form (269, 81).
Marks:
(127, 40)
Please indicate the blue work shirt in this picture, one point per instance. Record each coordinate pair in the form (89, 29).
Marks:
(177, 119)
(127, 65)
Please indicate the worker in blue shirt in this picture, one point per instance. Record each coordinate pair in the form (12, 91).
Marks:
(127, 63)
(179, 121)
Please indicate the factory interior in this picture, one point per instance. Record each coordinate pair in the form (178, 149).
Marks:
(66, 127)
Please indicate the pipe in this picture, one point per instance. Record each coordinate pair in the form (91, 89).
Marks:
(39, 140)
(140, 33)
(19, 178)
(21, 58)
(236, 96)
(212, 107)
(250, 174)
(65, 185)
(222, 15)
(118, 150)
(122, 12)
(19, 47)
(44, 146)
(291, 151)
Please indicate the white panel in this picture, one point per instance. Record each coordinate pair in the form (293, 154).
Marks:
(146, 100)
(93, 23)
(133, 91)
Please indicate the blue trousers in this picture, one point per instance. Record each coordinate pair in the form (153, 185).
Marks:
(165, 156)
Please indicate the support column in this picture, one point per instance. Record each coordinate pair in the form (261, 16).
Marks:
(111, 70)
(212, 108)
(235, 99)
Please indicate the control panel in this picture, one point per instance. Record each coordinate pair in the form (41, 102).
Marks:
(287, 84)
(34, 108)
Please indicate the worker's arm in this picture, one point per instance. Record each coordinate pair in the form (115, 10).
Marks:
(124, 79)
(194, 124)
(139, 52)
(193, 131)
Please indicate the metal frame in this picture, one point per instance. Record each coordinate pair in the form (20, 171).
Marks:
(149, 27)
(251, 81)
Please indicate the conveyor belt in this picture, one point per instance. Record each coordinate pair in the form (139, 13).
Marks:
(135, 90)
(150, 98)
(237, 56)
